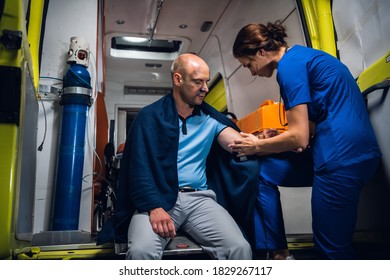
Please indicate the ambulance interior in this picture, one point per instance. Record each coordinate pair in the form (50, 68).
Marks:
(131, 46)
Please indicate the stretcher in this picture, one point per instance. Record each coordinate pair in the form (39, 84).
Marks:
(181, 245)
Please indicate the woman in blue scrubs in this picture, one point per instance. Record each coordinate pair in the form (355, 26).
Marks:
(329, 144)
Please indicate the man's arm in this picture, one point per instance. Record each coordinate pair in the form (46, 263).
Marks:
(296, 138)
(227, 136)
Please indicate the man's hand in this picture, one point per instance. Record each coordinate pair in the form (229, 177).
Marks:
(268, 133)
(162, 223)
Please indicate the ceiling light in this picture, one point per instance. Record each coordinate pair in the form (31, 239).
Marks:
(135, 39)
(183, 26)
(143, 44)
(157, 49)
(119, 21)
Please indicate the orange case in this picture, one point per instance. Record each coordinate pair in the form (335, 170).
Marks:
(270, 114)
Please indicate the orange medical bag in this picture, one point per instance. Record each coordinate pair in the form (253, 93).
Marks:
(270, 114)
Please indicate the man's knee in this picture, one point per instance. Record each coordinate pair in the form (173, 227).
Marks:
(137, 251)
(245, 246)
(240, 249)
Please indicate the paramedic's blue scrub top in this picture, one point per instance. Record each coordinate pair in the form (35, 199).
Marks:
(344, 134)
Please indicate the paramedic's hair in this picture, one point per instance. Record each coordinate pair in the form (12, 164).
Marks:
(254, 37)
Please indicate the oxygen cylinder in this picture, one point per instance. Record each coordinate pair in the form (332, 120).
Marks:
(75, 100)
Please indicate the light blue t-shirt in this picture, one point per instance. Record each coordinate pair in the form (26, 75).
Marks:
(195, 141)
(344, 134)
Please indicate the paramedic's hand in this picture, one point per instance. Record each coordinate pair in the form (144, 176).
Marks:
(162, 223)
(245, 146)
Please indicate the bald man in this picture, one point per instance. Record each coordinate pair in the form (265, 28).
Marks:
(164, 171)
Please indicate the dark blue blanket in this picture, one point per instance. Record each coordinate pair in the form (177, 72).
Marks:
(148, 173)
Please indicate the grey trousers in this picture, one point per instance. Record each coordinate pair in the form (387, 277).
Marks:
(199, 215)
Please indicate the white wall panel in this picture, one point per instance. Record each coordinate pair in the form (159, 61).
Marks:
(363, 33)
(65, 19)
(245, 95)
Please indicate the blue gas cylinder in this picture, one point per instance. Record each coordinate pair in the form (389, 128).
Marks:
(75, 101)
(77, 76)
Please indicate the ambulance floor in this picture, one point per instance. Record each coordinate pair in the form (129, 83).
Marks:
(306, 251)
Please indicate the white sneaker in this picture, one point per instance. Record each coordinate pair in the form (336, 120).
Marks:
(290, 258)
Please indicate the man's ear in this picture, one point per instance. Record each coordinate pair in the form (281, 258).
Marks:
(177, 79)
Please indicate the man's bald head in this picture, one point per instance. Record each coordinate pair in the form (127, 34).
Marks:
(186, 63)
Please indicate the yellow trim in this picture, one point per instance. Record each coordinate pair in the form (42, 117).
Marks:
(319, 22)
(8, 161)
(10, 140)
(311, 21)
(325, 27)
(376, 73)
(34, 36)
(13, 11)
(35, 253)
(217, 97)
(13, 19)
(300, 245)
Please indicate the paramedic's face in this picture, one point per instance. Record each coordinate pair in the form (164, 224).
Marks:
(259, 65)
(194, 84)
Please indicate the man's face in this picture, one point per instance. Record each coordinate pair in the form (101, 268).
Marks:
(193, 87)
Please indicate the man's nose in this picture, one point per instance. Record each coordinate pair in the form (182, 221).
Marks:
(204, 88)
